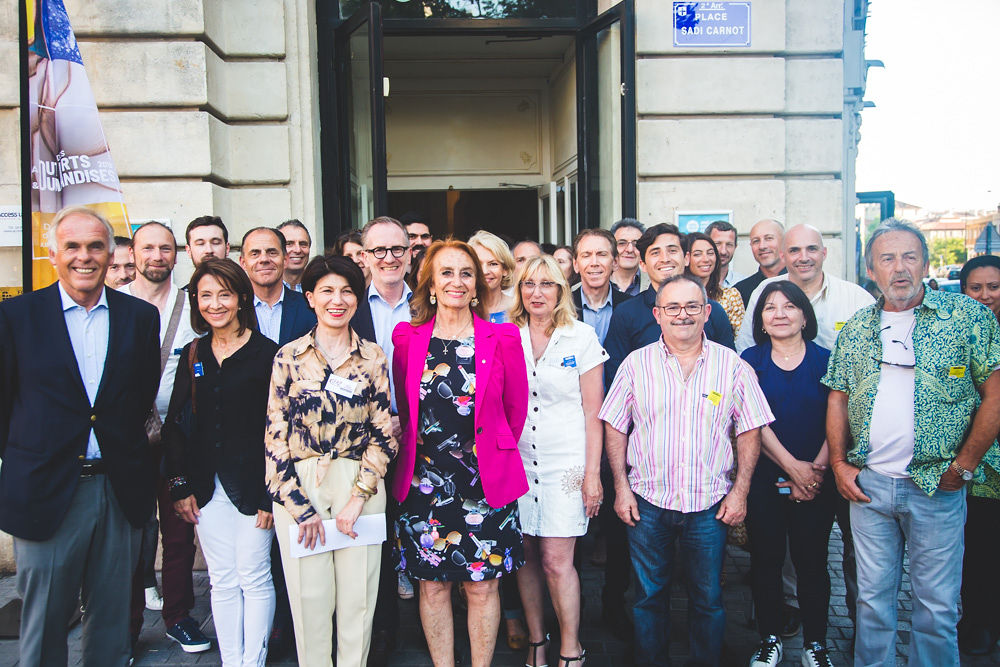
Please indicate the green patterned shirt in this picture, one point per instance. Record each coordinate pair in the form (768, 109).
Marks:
(956, 344)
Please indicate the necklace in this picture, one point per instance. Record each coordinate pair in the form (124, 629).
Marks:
(451, 338)
(798, 350)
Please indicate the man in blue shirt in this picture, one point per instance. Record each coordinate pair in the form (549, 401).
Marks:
(595, 257)
(282, 313)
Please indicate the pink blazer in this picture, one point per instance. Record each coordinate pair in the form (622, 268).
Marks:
(501, 405)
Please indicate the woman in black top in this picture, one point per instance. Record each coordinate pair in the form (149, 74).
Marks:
(214, 435)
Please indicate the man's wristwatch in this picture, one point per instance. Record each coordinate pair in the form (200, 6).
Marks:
(966, 475)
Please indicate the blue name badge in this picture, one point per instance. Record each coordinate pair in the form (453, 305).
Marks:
(177, 350)
(199, 370)
(569, 362)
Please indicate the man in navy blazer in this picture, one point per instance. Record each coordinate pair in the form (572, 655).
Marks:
(79, 370)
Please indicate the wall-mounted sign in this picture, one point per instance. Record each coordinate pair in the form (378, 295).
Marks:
(10, 226)
(711, 24)
(697, 221)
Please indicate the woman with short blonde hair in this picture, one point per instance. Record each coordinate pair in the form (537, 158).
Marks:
(561, 450)
(498, 269)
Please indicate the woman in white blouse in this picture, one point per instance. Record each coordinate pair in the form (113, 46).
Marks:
(561, 449)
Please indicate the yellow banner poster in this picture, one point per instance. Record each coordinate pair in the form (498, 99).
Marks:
(70, 159)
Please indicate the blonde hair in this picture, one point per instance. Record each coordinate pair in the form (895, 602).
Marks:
(500, 250)
(564, 313)
(421, 308)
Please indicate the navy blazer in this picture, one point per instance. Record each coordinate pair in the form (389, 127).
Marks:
(633, 326)
(46, 416)
(362, 322)
(297, 318)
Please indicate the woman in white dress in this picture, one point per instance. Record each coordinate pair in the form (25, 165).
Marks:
(561, 449)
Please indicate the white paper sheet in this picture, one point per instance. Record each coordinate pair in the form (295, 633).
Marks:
(369, 527)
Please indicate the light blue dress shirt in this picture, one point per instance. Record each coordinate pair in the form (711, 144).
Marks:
(88, 334)
(384, 319)
(269, 317)
(600, 319)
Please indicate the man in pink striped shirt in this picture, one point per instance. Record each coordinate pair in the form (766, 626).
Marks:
(681, 396)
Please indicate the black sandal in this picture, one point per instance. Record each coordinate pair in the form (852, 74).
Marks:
(534, 652)
(580, 658)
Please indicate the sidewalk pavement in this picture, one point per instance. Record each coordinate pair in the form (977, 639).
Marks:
(603, 650)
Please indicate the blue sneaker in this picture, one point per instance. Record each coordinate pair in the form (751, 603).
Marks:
(189, 636)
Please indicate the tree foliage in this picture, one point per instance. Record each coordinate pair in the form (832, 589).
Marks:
(948, 251)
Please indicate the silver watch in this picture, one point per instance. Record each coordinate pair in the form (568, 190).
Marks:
(966, 475)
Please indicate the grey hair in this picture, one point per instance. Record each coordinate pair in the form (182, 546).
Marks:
(895, 225)
(79, 210)
(682, 277)
(384, 220)
(628, 222)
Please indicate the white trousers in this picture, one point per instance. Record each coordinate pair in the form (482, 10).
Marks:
(238, 555)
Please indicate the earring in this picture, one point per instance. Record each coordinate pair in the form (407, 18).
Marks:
(433, 299)
(475, 301)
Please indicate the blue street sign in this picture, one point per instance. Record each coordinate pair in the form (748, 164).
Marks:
(711, 24)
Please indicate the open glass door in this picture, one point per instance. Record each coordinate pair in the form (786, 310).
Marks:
(605, 70)
(360, 100)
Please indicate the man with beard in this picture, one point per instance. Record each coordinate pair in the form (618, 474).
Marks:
(206, 236)
(155, 252)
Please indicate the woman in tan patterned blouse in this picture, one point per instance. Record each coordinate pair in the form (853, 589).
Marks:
(702, 259)
(329, 441)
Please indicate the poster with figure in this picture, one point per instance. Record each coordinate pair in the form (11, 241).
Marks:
(70, 161)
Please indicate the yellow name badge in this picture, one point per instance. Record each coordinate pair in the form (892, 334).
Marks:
(838, 326)
(714, 397)
(956, 372)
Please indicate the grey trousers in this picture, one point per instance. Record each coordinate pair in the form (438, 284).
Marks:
(95, 551)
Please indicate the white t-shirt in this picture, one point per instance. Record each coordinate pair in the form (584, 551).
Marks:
(892, 415)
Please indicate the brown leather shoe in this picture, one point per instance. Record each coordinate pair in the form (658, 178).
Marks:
(517, 635)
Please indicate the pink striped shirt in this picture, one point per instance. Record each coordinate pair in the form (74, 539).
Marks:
(679, 450)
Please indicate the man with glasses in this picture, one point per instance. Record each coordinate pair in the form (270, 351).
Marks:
(913, 414)
(627, 277)
(680, 397)
(387, 303)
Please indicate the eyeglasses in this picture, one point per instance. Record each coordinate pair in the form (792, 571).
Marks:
(422, 237)
(396, 250)
(530, 285)
(893, 363)
(674, 309)
(624, 244)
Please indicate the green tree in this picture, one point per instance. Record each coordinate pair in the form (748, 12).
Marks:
(948, 251)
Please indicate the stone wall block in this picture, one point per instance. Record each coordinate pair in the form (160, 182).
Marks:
(149, 144)
(710, 85)
(135, 17)
(247, 90)
(818, 202)
(146, 74)
(815, 26)
(814, 146)
(8, 22)
(710, 146)
(250, 154)
(245, 208)
(241, 29)
(10, 78)
(814, 85)
(10, 157)
(178, 201)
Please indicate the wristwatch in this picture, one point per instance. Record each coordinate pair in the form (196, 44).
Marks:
(966, 475)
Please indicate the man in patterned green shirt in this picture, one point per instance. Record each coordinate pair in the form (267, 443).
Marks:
(913, 415)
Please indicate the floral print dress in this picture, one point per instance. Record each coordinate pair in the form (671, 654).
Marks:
(446, 530)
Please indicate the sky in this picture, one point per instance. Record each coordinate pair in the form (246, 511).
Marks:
(933, 137)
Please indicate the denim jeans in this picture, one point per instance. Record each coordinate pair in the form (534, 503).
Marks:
(702, 541)
(900, 515)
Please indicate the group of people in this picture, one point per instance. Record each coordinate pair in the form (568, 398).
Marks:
(503, 407)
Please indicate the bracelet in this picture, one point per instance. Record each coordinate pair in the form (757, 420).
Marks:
(178, 481)
(365, 489)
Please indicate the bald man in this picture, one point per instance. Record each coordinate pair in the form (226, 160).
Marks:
(833, 299)
(765, 243)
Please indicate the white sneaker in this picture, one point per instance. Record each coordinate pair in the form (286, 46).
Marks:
(815, 655)
(154, 601)
(768, 654)
(404, 588)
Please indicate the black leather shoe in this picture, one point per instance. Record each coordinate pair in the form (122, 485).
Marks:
(976, 641)
(793, 622)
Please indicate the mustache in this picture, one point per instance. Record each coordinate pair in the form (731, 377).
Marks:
(685, 321)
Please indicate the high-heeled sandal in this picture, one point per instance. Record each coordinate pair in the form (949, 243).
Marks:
(533, 648)
(582, 658)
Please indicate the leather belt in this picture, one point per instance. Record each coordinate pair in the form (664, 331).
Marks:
(92, 467)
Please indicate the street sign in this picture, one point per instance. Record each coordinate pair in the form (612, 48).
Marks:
(711, 24)
(988, 241)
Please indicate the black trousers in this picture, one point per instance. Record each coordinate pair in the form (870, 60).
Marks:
(980, 586)
(774, 520)
(618, 566)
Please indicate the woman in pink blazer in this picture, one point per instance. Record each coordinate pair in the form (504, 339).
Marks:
(462, 396)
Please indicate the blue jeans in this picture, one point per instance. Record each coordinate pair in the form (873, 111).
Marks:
(900, 515)
(702, 540)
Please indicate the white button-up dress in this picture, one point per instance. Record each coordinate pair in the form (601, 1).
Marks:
(553, 444)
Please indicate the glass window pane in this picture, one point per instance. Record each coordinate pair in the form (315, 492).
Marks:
(609, 105)
(468, 9)
(359, 119)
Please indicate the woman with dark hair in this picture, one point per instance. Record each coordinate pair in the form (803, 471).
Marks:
(462, 395)
(329, 442)
(701, 256)
(792, 498)
(980, 625)
(215, 459)
(349, 245)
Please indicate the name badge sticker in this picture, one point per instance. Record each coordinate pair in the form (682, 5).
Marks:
(199, 370)
(956, 372)
(714, 397)
(569, 362)
(341, 386)
(837, 326)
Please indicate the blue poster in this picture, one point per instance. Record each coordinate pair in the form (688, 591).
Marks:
(711, 24)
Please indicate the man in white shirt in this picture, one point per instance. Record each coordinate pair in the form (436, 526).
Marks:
(835, 300)
(725, 237)
(155, 251)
